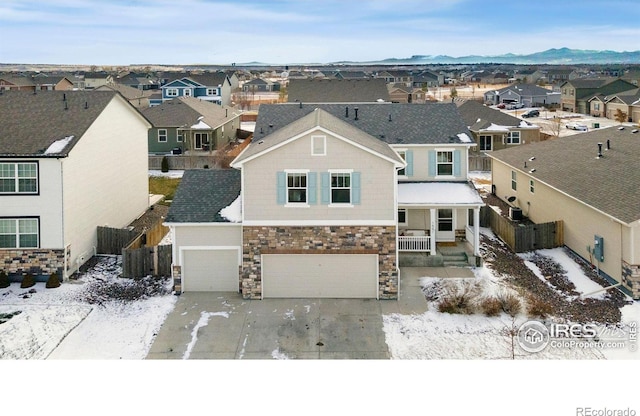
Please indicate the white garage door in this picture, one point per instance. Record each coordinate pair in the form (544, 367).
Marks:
(210, 271)
(320, 276)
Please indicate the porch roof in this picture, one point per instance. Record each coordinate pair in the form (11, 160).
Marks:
(438, 194)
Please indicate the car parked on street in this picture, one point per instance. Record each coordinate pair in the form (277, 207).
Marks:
(531, 113)
(577, 126)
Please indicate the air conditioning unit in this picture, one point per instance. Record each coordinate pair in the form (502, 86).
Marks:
(515, 213)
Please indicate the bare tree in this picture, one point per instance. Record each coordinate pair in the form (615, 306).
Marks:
(620, 116)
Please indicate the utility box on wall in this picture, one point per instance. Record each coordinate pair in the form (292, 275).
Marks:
(598, 248)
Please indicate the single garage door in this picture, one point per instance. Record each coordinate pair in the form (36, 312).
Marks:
(210, 270)
(320, 276)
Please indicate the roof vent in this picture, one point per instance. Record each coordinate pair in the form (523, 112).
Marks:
(346, 112)
(621, 128)
(608, 144)
(390, 117)
(64, 97)
(356, 111)
(532, 158)
(86, 105)
(634, 131)
(532, 170)
(599, 151)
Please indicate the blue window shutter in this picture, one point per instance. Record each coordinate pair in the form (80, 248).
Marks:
(355, 188)
(432, 163)
(408, 157)
(457, 167)
(312, 188)
(325, 188)
(282, 187)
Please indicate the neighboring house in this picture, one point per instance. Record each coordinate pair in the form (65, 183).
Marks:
(577, 93)
(400, 93)
(93, 80)
(493, 130)
(587, 181)
(190, 124)
(351, 75)
(52, 83)
(69, 162)
(396, 77)
(337, 90)
(327, 199)
(16, 83)
(260, 85)
(427, 79)
(528, 94)
(138, 98)
(627, 102)
(210, 86)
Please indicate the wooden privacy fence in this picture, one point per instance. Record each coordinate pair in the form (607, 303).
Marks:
(479, 163)
(144, 261)
(113, 240)
(522, 237)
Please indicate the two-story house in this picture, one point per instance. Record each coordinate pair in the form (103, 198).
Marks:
(69, 162)
(577, 93)
(209, 86)
(588, 181)
(327, 199)
(337, 90)
(190, 124)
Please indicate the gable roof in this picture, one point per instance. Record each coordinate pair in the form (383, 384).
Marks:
(429, 123)
(318, 118)
(337, 90)
(570, 165)
(525, 89)
(187, 111)
(478, 116)
(202, 194)
(127, 92)
(30, 123)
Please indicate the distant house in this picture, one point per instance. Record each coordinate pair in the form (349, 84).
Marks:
(94, 80)
(191, 125)
(69, 162)
(138, 98)
(426, 79)
(528, 94)
(209, 86)
(494, 130)
(16, 83)
(337, 90)
(396, 77)
(627, 102)
(260, 85)
(577, 93)
(400, 93)
(588, 182)
(351, 75)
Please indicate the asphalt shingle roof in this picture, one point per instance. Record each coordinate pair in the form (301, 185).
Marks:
(337, 90)
(429, 123)
(478, 116)
(30, 123)
(202, 194)
(185, 111)
(570, 164)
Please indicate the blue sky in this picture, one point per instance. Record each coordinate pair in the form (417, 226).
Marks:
(121, 32)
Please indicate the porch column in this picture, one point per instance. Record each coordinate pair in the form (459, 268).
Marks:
(432, 231)
(476, 231)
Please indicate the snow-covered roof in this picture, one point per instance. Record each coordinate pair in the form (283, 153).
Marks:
(438, 193)
(58, 146)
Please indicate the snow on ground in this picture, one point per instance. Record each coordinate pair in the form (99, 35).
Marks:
(170, 174)
(58, 324)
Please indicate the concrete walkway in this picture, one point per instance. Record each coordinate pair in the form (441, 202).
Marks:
(219, 325)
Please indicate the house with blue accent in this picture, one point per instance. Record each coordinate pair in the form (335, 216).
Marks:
(214, 87)
(328, 200)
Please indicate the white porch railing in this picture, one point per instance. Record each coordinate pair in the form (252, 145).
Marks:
(414, 243)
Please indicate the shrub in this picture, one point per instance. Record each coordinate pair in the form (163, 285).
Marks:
(164, 165)
(53, 281)
(460, 303)
(491, 306)
(510, 303)
(538, 308)
(27, 281)
(4, 280)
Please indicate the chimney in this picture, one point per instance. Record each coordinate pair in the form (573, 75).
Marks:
(356, 111)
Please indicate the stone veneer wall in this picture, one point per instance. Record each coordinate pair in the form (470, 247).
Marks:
(38, 262)
(631, 278)
(259, 240)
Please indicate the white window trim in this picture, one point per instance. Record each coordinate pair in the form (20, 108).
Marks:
(288, 204)
(509, 137)
(532, 186)
(212, 91)
(341, 204)
(180, 136)
(172, 92)
(403, 154)
(324, 145)
(17, 233)
(187, 92)
(160, 134)
(452, 151)
(17, 178)
(514, 180)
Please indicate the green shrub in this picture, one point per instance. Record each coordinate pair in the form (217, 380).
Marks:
(491, 306)
(4, 280)
(53, 281)
(27, 281)
(164, 165)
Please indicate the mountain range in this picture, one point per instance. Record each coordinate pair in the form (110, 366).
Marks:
(561, 56)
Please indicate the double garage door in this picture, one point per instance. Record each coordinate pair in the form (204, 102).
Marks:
(320, 275)
(285, 275)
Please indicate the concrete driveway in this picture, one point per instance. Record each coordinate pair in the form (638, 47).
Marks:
(217, 325)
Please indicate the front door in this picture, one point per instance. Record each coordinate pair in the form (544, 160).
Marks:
(446, 228)
(201, 140)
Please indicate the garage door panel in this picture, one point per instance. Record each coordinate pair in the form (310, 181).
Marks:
(320, 276)
(210, 270)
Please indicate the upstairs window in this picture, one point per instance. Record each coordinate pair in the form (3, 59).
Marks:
(403, 155)
(296, 188)
(485, 143)
(19, 178)
(445, 163)
(514, 180)
(532, 186)
(341, 188)
(513, 137)
(162, 135)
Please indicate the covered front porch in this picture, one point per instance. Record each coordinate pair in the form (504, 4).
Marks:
(435, 215)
